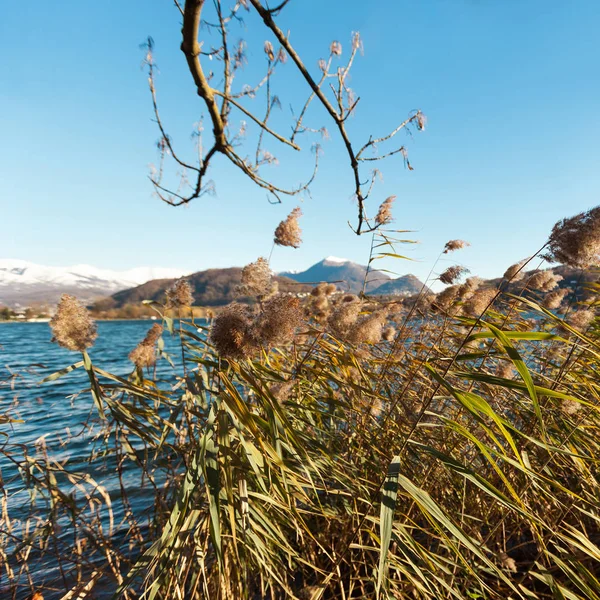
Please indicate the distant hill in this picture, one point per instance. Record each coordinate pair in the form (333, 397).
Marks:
(351, 275)
(25, 283)
(213, 287)
(403, 286)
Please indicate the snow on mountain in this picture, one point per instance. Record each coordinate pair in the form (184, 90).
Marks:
(23, 282)
(336, 260)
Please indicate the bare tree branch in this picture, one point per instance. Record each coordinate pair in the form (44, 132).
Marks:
(220, 99)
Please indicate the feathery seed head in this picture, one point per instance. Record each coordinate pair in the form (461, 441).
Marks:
(544, 281)
(230, 332)
(345, 316)
(453, 245)
(452, 274)
(479, 302)
(72, 326)
(515, 272)
(570, 407)
(446, 298)
(179, 295)
(505, 370)
(320, 303)
(576, 241)
(469, 287)
(277, 321)
(388, 334)
(384, 214)
(281, 391)
(144, 354)
(288, 232)
(256, 279)
(368, 329)
(554, 299)
(581, 319)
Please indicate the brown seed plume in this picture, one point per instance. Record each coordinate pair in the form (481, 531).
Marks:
(544, 281)
(505, 370)
(453, 245)
(452, 274)
(288, 232)
(384, 214)
(230, 332)
(581, 319)
(179, 295)
(388, 334)
(515, 272)
(345, 315)
(554, 299)
(446, 298)
(479, 302)
(282, 390)
(256, 279)
(277, 321)
(72, 326)
(469, 287)
(144, 354)
(576, 241)
(369, 329)
(570, 407)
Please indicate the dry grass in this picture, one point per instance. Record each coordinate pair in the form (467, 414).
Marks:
(412, 450)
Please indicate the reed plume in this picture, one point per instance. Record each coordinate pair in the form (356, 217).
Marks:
(277, 321)
(554, 299)
(384, 214)
(515, 272)
(454, 245)
(72, 326)
(288, 232)
(575, 241)
(478, 303)
(581, 319)
(256, 279)
(179, 295)
(345, 315)
(144, 354)
(368, 329)
(452, 274)
(544, 281)
(230, 332)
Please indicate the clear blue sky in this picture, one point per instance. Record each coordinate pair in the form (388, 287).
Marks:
(510, 88)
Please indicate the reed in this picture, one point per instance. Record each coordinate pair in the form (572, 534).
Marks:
(334, 447)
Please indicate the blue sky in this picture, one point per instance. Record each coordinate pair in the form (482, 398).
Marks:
(510, 89)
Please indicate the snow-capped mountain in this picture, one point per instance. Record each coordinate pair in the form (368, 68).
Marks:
(24, 283)
(349, 276)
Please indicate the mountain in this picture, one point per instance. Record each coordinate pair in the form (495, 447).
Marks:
(403, 286)
(25, 283)
(348, 276)
(213, 287)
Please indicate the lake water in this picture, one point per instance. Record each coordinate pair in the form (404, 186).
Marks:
(53, 412)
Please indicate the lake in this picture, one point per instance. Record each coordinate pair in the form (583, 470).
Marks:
(55, 418)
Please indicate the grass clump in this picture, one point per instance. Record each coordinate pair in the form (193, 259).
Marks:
(340, 447)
